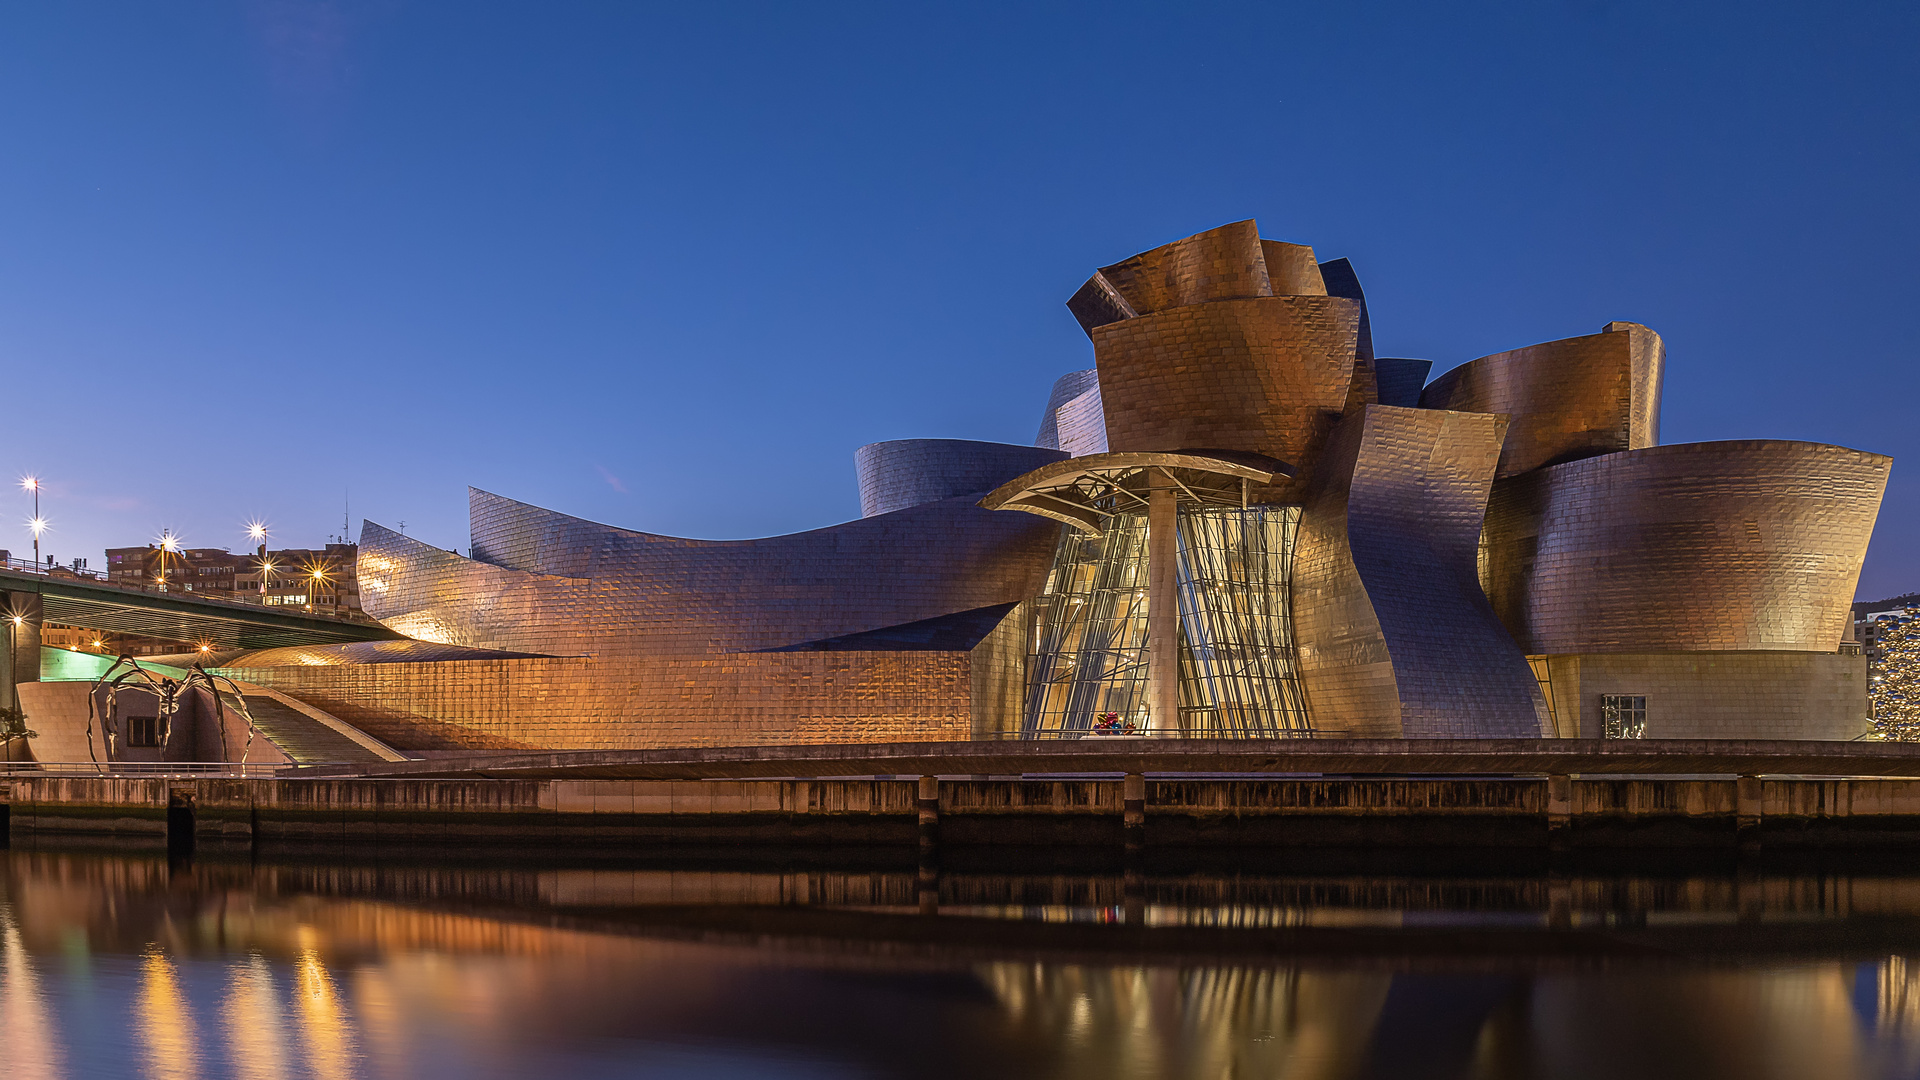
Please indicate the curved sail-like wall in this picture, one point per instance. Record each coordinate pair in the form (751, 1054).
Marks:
(1751, 545)
(1396, 638)
(908, 472)
(1569, 399)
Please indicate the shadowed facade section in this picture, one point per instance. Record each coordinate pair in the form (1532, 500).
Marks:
(1697, 547)
(908, 472)
(1396, 637)
(1569, 399)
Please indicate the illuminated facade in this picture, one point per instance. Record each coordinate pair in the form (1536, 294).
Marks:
(1240, 522)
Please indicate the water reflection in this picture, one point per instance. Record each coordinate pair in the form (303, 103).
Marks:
(380, 970)
(26, 1027)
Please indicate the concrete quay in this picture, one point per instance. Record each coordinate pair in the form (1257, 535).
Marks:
(635, 816)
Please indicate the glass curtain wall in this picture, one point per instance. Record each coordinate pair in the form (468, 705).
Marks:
(1238, 675)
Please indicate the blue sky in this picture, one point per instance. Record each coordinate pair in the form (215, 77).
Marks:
(667, 266)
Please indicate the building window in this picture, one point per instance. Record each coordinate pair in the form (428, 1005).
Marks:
(143, 731)
(1623, 716)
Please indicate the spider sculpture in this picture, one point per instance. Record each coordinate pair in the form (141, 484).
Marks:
(126, 676)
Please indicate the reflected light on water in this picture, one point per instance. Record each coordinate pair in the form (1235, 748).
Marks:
(27, 1035)
(256, 1031)
(163, 1023)
(324, 1026)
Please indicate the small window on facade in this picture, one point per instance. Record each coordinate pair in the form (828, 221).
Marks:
(143, 731)
(1623, 716)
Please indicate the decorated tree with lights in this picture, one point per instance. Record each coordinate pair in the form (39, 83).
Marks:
(1893, 687)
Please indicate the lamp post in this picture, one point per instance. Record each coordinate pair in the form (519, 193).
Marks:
(257, 532)
(32, 483)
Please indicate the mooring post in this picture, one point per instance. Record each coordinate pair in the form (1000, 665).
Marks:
(1747, 792)
(1559, 811)
(928, 805)
(1133, 809)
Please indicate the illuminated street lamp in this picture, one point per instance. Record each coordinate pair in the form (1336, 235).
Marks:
(257, 532)
(169, 545)
(38, 524)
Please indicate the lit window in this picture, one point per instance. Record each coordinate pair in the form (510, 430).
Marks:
(1623, 716)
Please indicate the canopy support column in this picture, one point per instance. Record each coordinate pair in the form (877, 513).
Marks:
(1163, 611)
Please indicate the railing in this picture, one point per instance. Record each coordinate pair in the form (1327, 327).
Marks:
(28, 566)
(1121, 735)
(144, 770)
(249, 600)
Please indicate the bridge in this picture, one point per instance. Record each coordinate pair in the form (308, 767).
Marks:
(77, 600)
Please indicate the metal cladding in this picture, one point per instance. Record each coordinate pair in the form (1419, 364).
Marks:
(1401, 380)
(908, 472)
(1075, 421)
(1751, 545)
(1256, 528)
(1196, 347)
(1569, 399)
(886, 627)
(1396, 637)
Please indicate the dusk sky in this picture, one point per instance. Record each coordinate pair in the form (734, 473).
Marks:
(666, 266)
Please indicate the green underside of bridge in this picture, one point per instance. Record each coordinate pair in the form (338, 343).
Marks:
(179, 617)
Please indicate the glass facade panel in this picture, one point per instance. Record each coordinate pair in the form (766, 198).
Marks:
(1238, 674)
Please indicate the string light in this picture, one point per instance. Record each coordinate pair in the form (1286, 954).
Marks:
(1893, 686)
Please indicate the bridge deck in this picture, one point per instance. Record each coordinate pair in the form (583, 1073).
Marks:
(100, 605)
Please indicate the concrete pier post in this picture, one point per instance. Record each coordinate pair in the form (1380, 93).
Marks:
(928, 805)
(1133, 809)
(1559, 811)
(1163, 611)
(1747, 791)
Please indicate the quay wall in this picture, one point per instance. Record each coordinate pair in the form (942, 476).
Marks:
(635, 815)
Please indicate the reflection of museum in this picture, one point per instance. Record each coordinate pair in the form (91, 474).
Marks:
(1506, 551)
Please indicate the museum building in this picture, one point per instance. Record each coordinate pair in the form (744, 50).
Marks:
(1239, 522)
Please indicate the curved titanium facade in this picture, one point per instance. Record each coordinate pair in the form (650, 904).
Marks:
(1396, 638)
(1065, 389)
(1267, 375)
(906, 626)
(1227, 263)
(1703, 546)
(1568, 399)
(908, 472)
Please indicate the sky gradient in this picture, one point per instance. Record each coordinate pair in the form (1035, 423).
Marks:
(666, 267)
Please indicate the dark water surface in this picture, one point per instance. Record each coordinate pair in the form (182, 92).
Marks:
(1448, 965)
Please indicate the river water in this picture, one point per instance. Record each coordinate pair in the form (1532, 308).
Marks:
(753, 965)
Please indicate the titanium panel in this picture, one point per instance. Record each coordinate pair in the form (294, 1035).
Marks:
(1065, 389)
(1568, 399)
(908, 472)
(1401, 380)
(1291, 270)
(1226, 263)
(1396, 639)
(1752, 545)
(1267, 375)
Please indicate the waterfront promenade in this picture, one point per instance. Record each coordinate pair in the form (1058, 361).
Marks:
(1097, 793)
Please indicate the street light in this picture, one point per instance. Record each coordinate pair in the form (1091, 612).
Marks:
(32, 483)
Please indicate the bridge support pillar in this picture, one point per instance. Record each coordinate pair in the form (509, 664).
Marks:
(22, 643)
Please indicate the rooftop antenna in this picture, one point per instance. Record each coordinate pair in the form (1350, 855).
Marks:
(346, 516)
